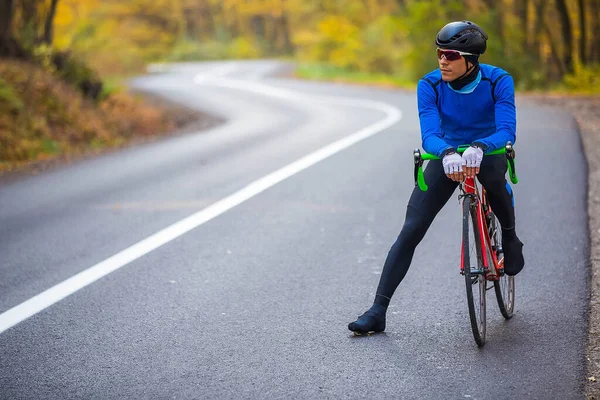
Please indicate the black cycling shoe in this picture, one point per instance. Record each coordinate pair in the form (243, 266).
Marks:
(513, 256)
(371, 321)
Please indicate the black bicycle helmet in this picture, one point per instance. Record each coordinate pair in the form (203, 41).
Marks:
(463, 36)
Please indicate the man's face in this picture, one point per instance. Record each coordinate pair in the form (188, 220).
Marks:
(452, 69)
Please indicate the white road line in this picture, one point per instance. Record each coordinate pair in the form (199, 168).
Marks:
(58, 292)
(214, 73)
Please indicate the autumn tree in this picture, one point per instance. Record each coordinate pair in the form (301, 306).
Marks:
(538, 41)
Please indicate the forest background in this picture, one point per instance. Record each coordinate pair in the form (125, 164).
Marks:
(63, 59)
(542, 42)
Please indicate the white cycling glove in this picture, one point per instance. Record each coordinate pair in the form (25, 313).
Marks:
(452, 163)
(472, 157)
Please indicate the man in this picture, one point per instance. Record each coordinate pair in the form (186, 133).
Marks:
(462, 102)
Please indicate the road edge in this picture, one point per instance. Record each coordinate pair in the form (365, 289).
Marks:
(585, 110)
(185, 119)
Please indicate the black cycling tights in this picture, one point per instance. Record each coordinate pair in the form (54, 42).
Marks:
(424, 206)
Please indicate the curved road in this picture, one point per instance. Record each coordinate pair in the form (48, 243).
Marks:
(227, 263)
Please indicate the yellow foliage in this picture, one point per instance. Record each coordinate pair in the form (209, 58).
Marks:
(244, 48)
(71, 16)
(272, 8)
(368, 35)
(337, 28)
(584, 80)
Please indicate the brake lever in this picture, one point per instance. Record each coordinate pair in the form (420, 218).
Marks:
(510, 157)
(418, 164)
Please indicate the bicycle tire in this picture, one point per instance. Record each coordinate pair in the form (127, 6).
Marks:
(505, 285)
(473, 271)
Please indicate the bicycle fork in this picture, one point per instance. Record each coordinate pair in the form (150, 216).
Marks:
(485, 262)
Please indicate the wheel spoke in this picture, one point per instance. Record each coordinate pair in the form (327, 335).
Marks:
(474, 270)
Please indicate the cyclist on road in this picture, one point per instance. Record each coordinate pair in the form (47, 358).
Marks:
(462, 102)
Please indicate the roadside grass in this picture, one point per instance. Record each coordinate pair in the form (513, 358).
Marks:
(324, 72)
(43, 118)
(584, 82)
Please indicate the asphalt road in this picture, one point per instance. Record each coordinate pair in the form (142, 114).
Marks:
(250, 297)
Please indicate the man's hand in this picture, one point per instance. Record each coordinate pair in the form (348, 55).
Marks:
(471, 159)
(452, 163)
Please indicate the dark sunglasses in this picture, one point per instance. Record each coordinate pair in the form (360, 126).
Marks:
(451, 55)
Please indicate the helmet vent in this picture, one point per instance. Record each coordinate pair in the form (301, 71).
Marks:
(464, 35)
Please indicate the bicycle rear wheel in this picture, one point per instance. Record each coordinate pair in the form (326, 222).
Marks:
(474, 270)
(505, 285)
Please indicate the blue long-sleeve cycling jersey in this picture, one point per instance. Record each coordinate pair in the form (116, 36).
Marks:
(448, 118)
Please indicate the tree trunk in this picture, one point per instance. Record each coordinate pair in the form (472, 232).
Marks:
(6, 16)
(259, 27)
(522, 11)
(402, 4)
(285, 30)
(231, 22)
(567, 35)
(9, 47)
(595, 40)
(554, 51)
(540, 9)
(29, 34)
(190, 29)
(48, 28)
(583, 36)
(495, 8)
(208, 22)
(273, 38)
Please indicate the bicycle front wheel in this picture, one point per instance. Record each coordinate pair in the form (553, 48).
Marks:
(474, 270)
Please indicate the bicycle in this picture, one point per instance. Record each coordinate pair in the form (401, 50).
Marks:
(482, 258)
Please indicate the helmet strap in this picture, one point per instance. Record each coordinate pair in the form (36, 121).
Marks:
(469, 76)
(469, 69)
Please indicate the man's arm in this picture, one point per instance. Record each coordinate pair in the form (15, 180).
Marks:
(429, 117)
(506, 116)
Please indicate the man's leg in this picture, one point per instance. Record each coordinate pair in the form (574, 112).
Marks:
(500, 195)
(420, 213)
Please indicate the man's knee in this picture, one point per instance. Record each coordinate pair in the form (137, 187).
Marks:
(492, 179)
(493, 184)
(415, 226)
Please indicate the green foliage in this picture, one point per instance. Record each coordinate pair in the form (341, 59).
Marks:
(112, 85)
(584, 80)
(383, 46)
(50, 146)
(332, 73)
(190, 50)
(244, 48)
(399, 45)
(75, 72)
(43, 55)
(68, 67)
(9, 97)
(420, 25)
(336, 41)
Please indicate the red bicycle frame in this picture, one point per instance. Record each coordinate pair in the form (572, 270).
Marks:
(483, 209)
